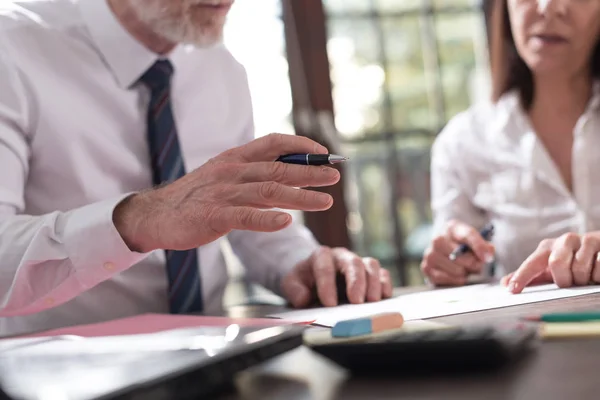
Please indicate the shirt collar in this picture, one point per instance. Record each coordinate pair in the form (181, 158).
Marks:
(512, 131)
(594, 103)
(510, 120)
(126, 58)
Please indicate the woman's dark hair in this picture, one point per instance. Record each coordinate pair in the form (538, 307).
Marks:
(509, 71)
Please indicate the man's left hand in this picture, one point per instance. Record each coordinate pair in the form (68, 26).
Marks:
(365, 279)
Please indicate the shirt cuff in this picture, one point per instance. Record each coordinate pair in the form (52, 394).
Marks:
(94, 245)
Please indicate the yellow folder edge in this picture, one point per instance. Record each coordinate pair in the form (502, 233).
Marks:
(565, 330)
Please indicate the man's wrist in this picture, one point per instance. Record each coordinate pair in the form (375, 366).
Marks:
(132, 218)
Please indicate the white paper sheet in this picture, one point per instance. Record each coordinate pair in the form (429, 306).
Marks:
(438, 303)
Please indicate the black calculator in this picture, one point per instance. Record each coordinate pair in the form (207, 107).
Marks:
(452, 350)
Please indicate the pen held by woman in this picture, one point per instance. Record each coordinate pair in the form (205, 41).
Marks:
(487, 232)
(437, 264)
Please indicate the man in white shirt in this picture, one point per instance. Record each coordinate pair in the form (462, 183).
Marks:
(99, 101)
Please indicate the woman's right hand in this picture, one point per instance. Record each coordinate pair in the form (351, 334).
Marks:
(438, 267)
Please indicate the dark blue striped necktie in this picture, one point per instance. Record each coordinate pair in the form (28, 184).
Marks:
(185, 294)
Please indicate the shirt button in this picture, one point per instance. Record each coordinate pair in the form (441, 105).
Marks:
(109, 266)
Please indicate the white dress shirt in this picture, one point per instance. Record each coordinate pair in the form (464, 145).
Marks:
(73, 145)
(488, 164)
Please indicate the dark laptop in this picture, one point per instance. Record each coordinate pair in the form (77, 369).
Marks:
(179, 364)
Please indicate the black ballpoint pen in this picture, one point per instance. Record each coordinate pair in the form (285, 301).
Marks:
(487, 233)
(311, 159)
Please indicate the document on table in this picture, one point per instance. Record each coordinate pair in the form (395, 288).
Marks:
(438, 303)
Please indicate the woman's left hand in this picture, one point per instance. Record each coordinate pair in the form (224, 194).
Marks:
(570, 260)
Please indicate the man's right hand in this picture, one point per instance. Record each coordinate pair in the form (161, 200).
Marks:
(232, 191)
(438, 267)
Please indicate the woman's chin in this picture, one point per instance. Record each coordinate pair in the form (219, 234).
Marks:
(549, 66)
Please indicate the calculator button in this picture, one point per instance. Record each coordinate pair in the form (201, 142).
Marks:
(445, 334)
(420, 335)
(405, 337)
(476, 334)
(399, 339)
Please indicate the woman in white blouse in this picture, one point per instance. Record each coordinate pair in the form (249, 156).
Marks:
(529, 161)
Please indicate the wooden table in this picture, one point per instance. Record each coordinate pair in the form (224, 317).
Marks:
(568, 370)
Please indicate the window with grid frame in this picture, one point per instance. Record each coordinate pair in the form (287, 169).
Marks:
(400, 69)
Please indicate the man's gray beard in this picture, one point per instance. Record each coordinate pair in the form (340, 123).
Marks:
(173, 29)
(178, 33)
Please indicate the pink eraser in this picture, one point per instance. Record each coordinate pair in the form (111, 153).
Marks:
(385, 322)
(367, 325)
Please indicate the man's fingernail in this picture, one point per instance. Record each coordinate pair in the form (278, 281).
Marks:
(488, 258)
(295, 300)
(329, 301)
(322, 198)
(513, 286)
(320, 149)
(282, 219)
(359, 299)
(329, 171)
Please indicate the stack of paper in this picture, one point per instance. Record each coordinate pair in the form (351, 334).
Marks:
(438, 303)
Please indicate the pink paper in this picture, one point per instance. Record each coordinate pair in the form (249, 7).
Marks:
(151, 323)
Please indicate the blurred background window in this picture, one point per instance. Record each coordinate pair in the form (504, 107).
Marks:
(398, 70)
(254, 34)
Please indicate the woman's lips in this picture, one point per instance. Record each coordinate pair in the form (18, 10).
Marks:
(547, 41)
(550, 39)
